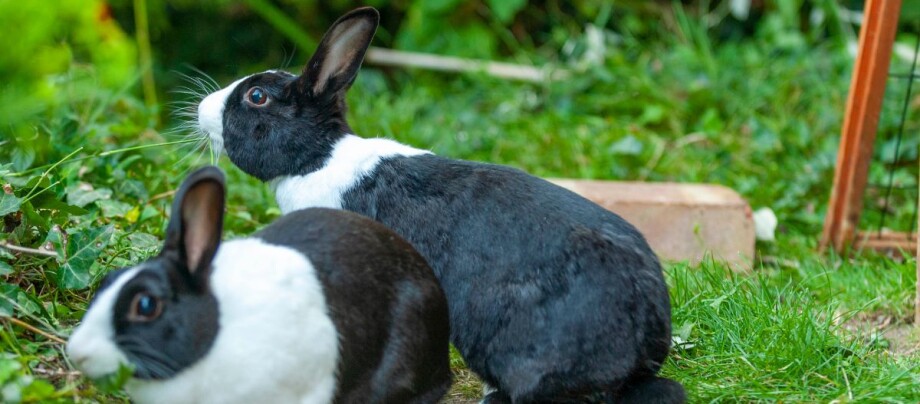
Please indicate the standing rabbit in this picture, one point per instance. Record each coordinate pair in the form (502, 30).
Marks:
(321, 306)
(551, 297)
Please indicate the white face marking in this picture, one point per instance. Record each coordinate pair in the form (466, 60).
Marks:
(276, 342)
(211, 115)
(91, 347)
(352, 159)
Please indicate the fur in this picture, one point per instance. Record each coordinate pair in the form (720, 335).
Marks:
(352, 159)
(551, 297)
(259, 286)
(549, 293)
(321, 306)
(386, 303)
(91, 346)
(211, 114)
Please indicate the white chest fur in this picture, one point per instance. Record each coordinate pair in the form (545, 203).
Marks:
(352, 159)
(276, 341)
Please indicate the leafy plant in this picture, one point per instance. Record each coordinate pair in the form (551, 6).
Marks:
(657, 91)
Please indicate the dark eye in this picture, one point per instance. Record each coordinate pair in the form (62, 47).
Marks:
(144, 307)
(257, 96)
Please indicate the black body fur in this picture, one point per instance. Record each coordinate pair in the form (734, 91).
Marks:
(384, 300)
(551, 297)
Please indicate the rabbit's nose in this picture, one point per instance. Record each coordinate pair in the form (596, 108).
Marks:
(94, 359)
(78, 356)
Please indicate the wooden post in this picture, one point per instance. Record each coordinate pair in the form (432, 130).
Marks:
(864, 104)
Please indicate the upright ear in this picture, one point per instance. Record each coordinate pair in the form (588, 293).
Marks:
(335, 64)
(196, 224)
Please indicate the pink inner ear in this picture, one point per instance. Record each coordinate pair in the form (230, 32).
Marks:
(344, 43)
(199, 216)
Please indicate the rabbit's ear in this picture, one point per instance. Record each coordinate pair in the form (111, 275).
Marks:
(196, 224)
(335, 64)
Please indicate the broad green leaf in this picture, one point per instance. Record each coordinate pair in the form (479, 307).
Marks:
(652, 114)
(56, 240)
(12, 390)
(23, 158)
(506, 9)
(38, 390)
(112, 208)
(9, 203)
(34, 218)
(243, 215)
(29, 304)
(133, 188)
(48, 201)
(78, 254)
(9, 295)
(81, 196)
(40, 181)
(143, 241)
(628, 146)
(8, 368)
(5, 268)
(148, 212)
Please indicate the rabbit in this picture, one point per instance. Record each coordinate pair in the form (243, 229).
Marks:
(551, 297)
(320, 306)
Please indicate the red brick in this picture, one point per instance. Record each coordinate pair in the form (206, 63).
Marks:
(682, 222)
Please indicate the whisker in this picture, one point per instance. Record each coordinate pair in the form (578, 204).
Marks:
(210, 80)
(147, 359)
(288, 59)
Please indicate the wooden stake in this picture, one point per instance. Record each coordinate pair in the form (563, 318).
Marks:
(864, 104)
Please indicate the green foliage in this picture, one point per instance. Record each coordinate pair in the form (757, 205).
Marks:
(504, 10)
(45, 38)
(116, 381)
(9, 203)
(16, 387)
(656, 92)
(423, 29)
(77, 252)
(757, 339)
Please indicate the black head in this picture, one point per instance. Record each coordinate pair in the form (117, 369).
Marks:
(160, 315)
(274, 124)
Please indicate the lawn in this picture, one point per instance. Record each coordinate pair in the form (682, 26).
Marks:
(90, 176)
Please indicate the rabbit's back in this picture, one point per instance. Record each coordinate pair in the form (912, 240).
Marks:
(544, 284)
(385, 301)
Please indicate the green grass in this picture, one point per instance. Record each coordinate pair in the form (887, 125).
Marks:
(760, 115)
(760, 339)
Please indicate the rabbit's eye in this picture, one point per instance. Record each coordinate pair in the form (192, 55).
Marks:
(144, 307)
(257, 96)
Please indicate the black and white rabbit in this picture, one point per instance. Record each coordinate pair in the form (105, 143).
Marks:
(551, 297)
(321, 306)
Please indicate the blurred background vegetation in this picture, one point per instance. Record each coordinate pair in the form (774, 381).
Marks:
(744, 93)
(736, 85)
